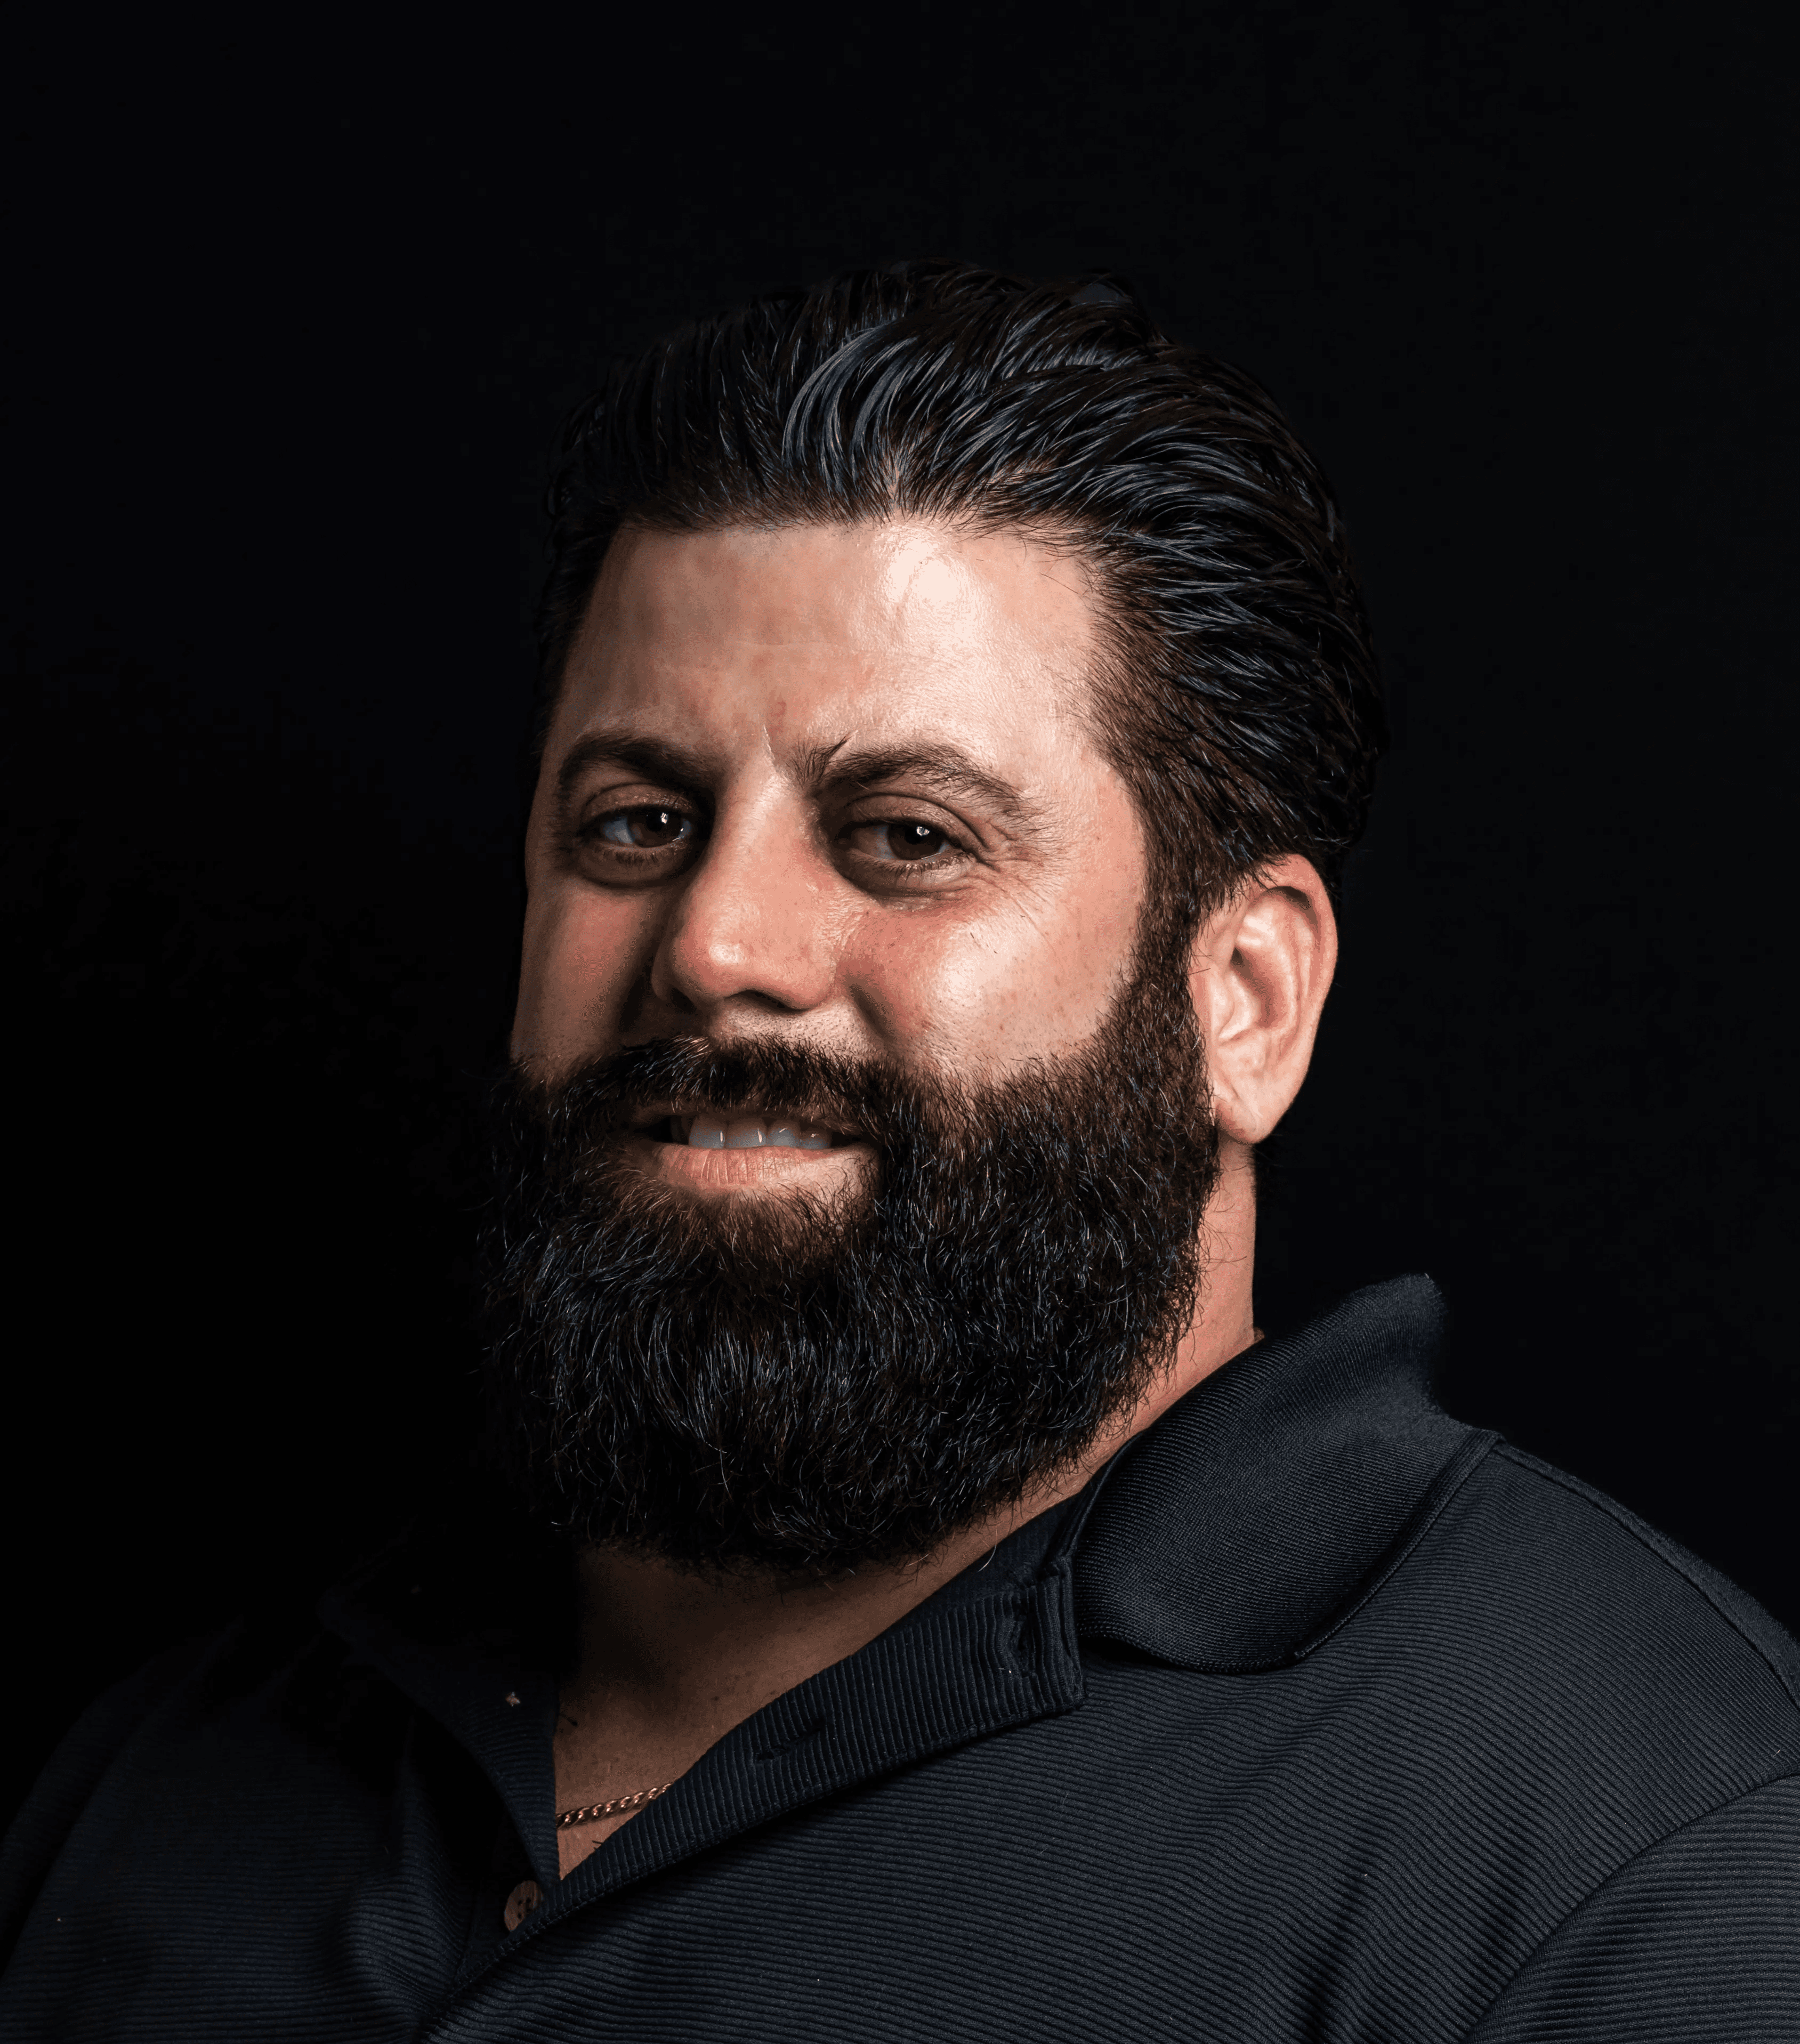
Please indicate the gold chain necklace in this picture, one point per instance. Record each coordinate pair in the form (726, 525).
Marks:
(591, 1813)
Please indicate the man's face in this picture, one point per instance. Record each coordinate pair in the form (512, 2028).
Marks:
(830, 787)
(852, 1162)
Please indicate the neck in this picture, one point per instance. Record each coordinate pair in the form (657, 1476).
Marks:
(668, 1663)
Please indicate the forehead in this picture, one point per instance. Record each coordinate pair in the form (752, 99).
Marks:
(803, 634)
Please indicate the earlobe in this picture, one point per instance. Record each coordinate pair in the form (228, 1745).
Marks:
(1263, 965)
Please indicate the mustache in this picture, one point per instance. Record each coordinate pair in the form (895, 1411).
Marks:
(603, 1095)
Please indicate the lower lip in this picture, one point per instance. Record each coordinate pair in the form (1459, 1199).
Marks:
(728, 1170)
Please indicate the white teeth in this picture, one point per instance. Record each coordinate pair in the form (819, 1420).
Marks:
(711, 1132)
(800, 1136)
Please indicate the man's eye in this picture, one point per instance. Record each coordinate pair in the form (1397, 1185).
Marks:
(649, 829)
(908, 840)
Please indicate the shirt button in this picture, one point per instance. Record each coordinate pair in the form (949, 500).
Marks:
(521, 1903)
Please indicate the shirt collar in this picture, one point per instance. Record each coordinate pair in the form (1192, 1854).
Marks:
(996, 1652)
(1252, 1520)
(1266, 1506)
(471, 1620)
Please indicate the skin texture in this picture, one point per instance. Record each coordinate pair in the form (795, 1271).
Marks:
(756, 728)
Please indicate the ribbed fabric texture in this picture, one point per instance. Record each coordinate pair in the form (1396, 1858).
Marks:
(1320, 1717)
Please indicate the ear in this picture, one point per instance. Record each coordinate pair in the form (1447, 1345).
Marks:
(1261, 969)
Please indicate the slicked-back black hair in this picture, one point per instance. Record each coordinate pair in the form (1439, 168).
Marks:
(1239, 698)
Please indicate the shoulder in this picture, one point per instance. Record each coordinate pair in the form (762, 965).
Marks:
(1697, 1936)
(1597, 1738)
(1594, 1685)
(1577, 1599)
(1489, 1712)
(88, 1752)
(249, 1700)
(1313, 1494)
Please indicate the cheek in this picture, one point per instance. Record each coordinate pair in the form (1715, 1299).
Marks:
(1000, 988)
(575, 971)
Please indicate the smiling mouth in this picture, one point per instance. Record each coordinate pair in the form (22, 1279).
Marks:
(703, 1130)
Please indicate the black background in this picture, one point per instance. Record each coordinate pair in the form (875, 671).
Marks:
(295, 316)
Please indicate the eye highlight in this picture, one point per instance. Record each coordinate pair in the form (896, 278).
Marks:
(639, 841)
(901, 847)
(653, 826)
(910, 839)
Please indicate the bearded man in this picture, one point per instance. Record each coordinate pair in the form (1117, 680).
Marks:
(921, 1605)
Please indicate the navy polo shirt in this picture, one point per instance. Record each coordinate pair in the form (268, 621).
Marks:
(1318, 1716)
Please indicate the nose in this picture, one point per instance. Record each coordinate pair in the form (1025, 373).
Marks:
(749, 930)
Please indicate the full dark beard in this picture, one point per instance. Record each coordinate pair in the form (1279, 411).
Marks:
(787, 1384)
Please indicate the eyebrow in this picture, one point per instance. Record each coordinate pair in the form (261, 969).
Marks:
(945, 769)
(656, 758)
